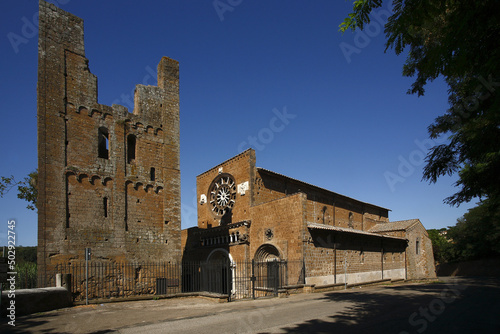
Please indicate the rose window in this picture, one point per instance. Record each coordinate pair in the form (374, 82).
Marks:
(222, 194)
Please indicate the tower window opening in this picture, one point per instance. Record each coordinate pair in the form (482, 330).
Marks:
(131, 145)
(105, 205)
(153, 174)
(103, 143)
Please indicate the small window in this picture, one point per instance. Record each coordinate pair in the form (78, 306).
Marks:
(105, 205)
(131, 143)
(103, 143)
(152, 174)
(417, 246)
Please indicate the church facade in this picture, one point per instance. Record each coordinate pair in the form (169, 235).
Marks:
(248, 213)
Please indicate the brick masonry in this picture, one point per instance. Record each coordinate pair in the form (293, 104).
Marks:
(284, 218)
(109, 179)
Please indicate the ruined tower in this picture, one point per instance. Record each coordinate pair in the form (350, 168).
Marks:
(109, 179)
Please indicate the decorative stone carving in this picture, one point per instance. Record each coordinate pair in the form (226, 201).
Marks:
(269, 234)
(203, 199)
(222, 194)
(242, 188)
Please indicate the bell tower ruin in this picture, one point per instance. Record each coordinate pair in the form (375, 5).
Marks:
(108, 179)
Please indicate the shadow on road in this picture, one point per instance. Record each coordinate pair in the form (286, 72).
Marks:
(463, 305)
(35, 320)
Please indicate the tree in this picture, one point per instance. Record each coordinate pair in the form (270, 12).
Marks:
(477, 233)
(27, 188)
(442, 248)
(458, 40)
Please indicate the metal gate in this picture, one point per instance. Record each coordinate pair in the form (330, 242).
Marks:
(213, 276)
(242, 279)
(216, 277)
(268, 278)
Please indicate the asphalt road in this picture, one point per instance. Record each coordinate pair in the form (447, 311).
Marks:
(463, 305)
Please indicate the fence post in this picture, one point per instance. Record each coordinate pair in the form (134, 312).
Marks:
(229, 279)
(345, 273)
(277, 278)
(253, 279)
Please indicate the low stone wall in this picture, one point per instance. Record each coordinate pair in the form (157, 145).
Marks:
(356, 278)
(28, 301)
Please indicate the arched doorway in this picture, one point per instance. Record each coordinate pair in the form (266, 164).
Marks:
(269, 269)
(266, 253)
(218, 272)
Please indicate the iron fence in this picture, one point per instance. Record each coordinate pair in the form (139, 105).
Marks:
(237, 280)
(118, 280)
(242, 279)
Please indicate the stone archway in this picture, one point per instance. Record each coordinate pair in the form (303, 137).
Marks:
(269, 269)
(218, 273)
(266, 253)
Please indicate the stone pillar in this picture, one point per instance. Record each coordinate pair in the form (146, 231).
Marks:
(63, 281)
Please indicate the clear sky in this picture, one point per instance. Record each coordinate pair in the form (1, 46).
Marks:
(322, 107)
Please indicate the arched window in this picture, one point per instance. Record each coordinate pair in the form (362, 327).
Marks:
(351, 219)
(105, 206)
(131, 141)
(103, 143)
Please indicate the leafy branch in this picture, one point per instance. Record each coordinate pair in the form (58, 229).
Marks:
(26, 189)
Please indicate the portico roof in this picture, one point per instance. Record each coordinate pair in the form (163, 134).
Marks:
(318, 226)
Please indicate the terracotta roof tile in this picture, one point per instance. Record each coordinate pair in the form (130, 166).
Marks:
(401, 225)
(348, 230)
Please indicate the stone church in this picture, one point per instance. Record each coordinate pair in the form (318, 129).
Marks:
(109, 180)
(249, 213)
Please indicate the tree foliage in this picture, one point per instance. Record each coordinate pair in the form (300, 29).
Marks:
(26, 189)
(458, 40)
(26, 254)
(441, 248)
(476, 235)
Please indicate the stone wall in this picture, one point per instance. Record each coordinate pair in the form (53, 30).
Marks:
(419, 254)
(241, 169)
(29, 301)
(279, 223)
(323, 206)
(332, 257)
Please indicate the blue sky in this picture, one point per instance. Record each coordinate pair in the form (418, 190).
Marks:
(319, 106)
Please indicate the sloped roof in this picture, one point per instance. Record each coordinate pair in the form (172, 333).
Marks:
(401, 225)
(348, 230)
(314, 186)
